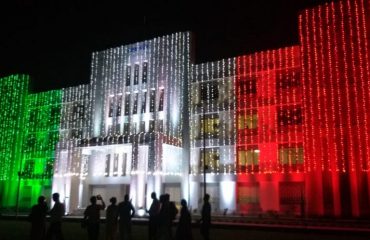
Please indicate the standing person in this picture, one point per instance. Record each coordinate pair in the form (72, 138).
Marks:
(183, 231)
(126, 211)
(153, 216)
(92, 217)
(163, 219)
(173, 212)
(111, 220)
(56, 215)
(37, 218)
(206, 217)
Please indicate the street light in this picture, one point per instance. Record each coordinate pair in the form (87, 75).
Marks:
(204, 97)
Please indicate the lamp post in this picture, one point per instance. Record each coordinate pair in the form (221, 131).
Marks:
(18, 190)
(204, 141)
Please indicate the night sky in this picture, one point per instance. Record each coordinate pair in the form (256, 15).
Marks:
(52, 41)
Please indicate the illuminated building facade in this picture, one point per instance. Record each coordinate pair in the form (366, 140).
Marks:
(123, 133)
(278, 131)
(30, 131)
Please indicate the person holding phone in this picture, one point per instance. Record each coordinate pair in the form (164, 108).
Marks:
(92, 217)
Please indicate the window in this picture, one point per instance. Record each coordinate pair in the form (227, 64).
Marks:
(212, 159)
(248, 86)
(248, 194)
(288, 79)
(290, 116)
(160, 125)
(115, 164)
(78, 111)
(76, 133)
(145, 72)
(124, 163)
(209, 91)
(142, 126)
(291, 155)
(128, 75)
(127, 104)
(136, 74)
(161, 100)
(143, 103)
(211, 125)
(110, 107)
(151, 125)
(29, 168)
(134, 128)
(119, 105)
(248, 157)
(152, 101)
(249, 121)
(126, 128)
(49, 168)
(134, 111)
(107, 165)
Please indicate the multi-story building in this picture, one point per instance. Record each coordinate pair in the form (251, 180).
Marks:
(278, 131)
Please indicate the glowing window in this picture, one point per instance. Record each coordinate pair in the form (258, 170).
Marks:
(211, 125)
(248, 121)
(248, 157)
(291, 155)
(212, 159)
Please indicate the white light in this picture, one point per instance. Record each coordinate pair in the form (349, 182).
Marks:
(141, 212)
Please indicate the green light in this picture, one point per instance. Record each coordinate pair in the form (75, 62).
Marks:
(41, 136)
(13, 94)
(29, 132)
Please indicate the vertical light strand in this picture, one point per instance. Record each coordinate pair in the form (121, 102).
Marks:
(341, 160)
(363, 50)
(354, 97)
(325, 164)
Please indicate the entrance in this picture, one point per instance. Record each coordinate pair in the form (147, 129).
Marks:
(111, 190)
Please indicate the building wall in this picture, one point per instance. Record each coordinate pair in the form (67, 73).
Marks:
(335, 69)
(13, 95)
(29, 133)
(279, 131)
(41, 134)
(212, 134)
(118, 132)
(269, 143)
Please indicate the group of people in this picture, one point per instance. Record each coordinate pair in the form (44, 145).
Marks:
(162, 212)
(37, 218)
(118, 218)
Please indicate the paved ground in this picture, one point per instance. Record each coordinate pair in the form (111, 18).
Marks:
(252, 228)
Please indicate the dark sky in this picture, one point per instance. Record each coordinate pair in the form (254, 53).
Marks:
(52, 41)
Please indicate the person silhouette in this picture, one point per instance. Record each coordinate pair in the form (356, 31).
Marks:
(153, 216)
(183, 231)
(111, 220)
(37, 218)
(206, 217)
(92, 217)
(56, 215)
(126, 211)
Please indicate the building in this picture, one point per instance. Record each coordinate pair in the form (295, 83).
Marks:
(281, 131)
